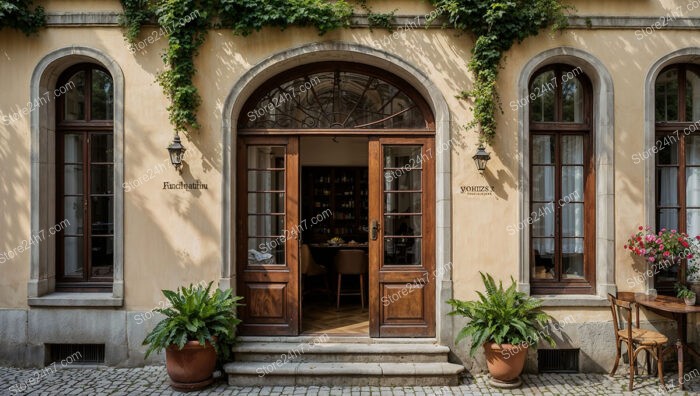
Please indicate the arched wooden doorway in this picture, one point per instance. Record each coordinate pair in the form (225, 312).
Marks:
(337, 99)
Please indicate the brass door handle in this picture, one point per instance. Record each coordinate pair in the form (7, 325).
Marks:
(374, 230)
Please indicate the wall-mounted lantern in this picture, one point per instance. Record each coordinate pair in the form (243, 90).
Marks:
(481, 158)
(176, 151)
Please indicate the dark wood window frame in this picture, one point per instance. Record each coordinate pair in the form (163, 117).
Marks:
(667, 132)
(557, 129)
(87, 128)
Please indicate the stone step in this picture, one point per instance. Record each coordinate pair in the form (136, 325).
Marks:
(343, 374)
(329, 352)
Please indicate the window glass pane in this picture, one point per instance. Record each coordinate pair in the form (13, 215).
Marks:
(668, 150)
(402, 225)
(666, 185)
(572, 258)
(692, 150)
(572, 220)
(572, 150)
(572, 98)
(74, 98)
(73, 212)
(667, 218)
(264, 225)
(102, 179)
(101, 148)
(542, 96)
(72, 148)
(543, 183)
(542, 219)
(400, 156)
(402, 251)
(102, 102)
(402, 203)
(542, 149)
(102, 209)
(73, 256)
(102, 256)
(692, 186)
(73, 179)
(266, 180)
(572, 183)
(692, 96)
(693, 222)
(667, 96)
(403, 181)
(543, 258)
(266, 251)
(266, 157)
(266, 203)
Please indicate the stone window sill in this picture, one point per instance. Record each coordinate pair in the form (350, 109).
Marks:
(76, 300)
(572, 301)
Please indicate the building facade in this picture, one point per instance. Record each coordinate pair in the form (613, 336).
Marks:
(97, 221)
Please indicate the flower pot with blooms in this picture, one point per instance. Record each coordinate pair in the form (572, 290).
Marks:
(662, 249)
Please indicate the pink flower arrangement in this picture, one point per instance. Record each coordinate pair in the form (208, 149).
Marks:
(666, 245)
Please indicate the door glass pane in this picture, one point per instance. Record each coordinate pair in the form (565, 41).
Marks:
(572, 98)
(542, 219)
(572, 183)
(543, 90)
(402, 225)
(74, 103)
(72, 148)
(692, 96)
(543, 257)
(667, 218)
(101, 148)
(102, 180)
(102, 102)
(401, 156)
(73, 256)
(572, 258)
(572, 150)
(666, 185)
(264, 225)
(102, 215)
(542, 149)
(266, 180)
(543, 183)
(102, 251)
(692, 186)
(402, 202)
(73, 212)
(572, 220)
(692, 150)
(73, 179)
(265, 203)
(402, 181)
(266, 157)
(266, 251)
(693, 222)
(402, 251)
(667, 96)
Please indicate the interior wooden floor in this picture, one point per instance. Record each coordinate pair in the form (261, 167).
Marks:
(322, 317)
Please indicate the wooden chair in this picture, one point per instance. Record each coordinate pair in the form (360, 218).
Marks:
(636, 340)
(351, 262)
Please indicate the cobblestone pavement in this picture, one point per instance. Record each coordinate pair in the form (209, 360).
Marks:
(154, 381)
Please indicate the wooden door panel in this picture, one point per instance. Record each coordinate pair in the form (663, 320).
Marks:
(267, 258)
(402, 253)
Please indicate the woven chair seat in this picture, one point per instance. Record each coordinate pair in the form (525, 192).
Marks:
(645, 337)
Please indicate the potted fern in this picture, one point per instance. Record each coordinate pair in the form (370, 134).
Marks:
(198, 327)
(506, 323)
(686, 294)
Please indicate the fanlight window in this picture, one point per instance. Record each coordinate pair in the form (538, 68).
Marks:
(335, 99)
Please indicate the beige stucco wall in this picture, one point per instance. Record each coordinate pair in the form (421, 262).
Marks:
(173, 237)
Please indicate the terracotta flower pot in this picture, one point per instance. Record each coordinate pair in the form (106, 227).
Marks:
(192, 367)
(505, 361)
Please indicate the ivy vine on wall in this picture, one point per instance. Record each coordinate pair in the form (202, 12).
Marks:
(21, 15)
(497, 25)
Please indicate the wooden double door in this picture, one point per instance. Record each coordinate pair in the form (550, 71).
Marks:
(401, 236)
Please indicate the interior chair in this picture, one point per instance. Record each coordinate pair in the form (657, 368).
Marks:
(636, 340)
(310, 268)
(351, 262)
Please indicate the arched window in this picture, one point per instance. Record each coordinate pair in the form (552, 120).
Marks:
(677, 111)
(85, 179)
(562, 182)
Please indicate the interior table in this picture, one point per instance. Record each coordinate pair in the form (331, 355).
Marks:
(670, 307)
